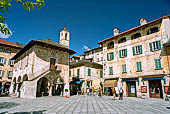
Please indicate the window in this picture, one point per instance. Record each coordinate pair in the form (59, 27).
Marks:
(101, 74)
(139, 66)
(110, 56)
(137, 50)
(2, 50)
(110, 70)
(110, 45)
(1, 73)
(69, 73)
(122, 40)
(89, 72)
(66, 36)
(152, 30)
(9, 74)
(158, 65)
(135, 36)
(5, 51)
(123, 53)
(2, 60)
(8, 51)
(78, 73)
(154, 46)
(124, 68)
(11, 62)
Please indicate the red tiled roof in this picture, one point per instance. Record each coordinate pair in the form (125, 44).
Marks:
(113, 37)
(9, 43)
(76, 56)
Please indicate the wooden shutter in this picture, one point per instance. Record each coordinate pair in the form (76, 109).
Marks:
(133, 49)
(150, 45)
(125, 52)
(120, 53)
(112, 55)
(108, 56)
(159, 44)
(140, 49)
(156, 63)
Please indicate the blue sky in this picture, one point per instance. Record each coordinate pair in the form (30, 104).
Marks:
(89, 21)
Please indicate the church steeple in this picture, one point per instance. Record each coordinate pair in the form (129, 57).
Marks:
(65, 37)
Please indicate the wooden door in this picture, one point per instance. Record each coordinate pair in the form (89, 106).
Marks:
(155, 88)
(52, 64)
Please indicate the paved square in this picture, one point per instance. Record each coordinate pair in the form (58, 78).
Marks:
(83, 105)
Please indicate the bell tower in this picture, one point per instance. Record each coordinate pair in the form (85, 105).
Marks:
(65, 37)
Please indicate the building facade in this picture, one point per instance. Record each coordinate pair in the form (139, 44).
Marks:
(42, 68)
(85, 74)
(132, 59)
(7, 51)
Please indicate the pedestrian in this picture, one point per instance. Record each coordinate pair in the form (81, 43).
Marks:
(90, 91)
(87, 91)
(114, 93)
(121, 94)
(99, 92)
(93, 90)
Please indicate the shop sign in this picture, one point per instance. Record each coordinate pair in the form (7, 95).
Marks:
(143, 89)
(167, 89)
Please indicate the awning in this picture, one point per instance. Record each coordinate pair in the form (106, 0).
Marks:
(130, 79)
(155, 78)
(110, 83)
(76, 82)
(59, 83)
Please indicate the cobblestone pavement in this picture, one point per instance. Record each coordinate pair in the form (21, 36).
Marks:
(83, 105)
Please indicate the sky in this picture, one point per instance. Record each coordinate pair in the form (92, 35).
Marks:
(89, 21)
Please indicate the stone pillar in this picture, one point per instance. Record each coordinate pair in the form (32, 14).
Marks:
(50, 90)
(147, 84)
(162, 83)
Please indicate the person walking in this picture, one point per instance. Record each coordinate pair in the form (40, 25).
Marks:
(99, 91)
(93, 90)
(114, 93)
(121, 94)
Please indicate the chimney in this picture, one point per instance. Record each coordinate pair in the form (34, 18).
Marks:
(143, 21)
(115, 31)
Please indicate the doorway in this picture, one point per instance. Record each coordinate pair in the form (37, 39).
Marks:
(131, 88)
(155, 89)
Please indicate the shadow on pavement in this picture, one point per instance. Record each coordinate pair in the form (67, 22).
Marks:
(168, 107)
(8, 105)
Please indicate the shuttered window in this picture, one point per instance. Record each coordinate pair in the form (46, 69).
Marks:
(137, 50)
(101, 74)
(124, 68)
(158, 65)
(2, 60)
(89, 72)
(110, 56)
(110, 70)
(78, 73)
(154, 46)
(139, 66)
(1, 73)
(123, 53)
(69, 73)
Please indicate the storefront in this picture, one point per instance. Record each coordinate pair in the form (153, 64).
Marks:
(155, 86)
(131, 87)
(108, 85)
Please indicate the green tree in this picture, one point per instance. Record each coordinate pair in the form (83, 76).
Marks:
(27, 4)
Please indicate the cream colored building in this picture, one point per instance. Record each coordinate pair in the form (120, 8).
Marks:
(7, 51)
(132, 59)
(85, 74)
(42, 67)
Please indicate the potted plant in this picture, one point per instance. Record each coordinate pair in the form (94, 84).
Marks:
(143, 96)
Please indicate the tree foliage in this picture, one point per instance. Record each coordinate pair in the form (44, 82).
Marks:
(27, 4)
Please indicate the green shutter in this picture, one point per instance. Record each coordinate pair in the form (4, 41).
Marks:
(125, 52)
(159, 44)
(124, 68)
(156, 64)
(108, 56)
(89, 72)
(159, 64)
(78, 72)
(70, 73)
(150, 44)
(101, 74)
(140, 49)
(110, 70)
(133, 48)
(140, 66)
(120, 53)
(112, 55)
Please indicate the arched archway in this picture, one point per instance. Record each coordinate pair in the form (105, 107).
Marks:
(58, 86)
(43, 85)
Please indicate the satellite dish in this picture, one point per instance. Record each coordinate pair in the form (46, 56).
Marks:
(5, 32)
